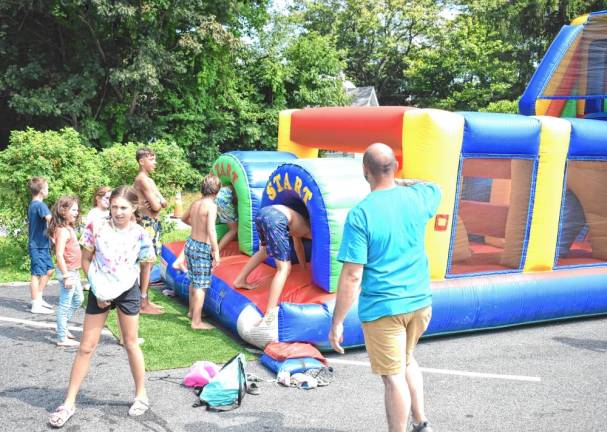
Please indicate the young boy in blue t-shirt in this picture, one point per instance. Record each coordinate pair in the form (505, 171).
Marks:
(38, 215)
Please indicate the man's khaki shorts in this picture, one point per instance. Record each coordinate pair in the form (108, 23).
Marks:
(388, 338)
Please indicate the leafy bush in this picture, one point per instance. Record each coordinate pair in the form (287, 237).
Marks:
(72, 168)
(59, 156)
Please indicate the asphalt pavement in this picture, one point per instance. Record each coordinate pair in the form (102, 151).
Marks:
(549, 377)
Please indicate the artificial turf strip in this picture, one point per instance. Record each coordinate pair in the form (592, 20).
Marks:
(171, 343)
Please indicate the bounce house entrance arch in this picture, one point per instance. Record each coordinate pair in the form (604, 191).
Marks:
(248, 172)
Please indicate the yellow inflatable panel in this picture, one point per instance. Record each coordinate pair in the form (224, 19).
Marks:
(541, 106)
(432, 143)
(284, 138)
(580, 20)
(554, 145)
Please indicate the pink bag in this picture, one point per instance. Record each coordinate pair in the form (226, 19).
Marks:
(200, 374)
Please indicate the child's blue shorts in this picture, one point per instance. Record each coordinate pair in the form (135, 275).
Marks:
(273, 230)
(41, 261)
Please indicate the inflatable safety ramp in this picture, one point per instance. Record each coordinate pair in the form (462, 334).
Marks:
(519, 236)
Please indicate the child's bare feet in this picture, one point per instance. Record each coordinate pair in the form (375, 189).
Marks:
(202, 326)
(180, 265)
(148, 309)
(154, 305)
(239, 284)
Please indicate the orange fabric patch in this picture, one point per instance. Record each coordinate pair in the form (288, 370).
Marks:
(283, 350)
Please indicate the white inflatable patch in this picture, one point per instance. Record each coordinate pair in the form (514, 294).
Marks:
(247, 328)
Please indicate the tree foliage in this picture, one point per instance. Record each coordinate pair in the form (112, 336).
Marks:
(119, 71)
(451, 54)
(211, 76)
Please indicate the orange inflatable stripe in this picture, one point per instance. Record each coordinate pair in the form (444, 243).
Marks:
(348, 129)
(298, 289)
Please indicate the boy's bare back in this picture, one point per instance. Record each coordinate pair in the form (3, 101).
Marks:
(202, 217)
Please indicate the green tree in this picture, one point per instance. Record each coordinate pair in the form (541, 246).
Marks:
(380, 39)
(112, 69)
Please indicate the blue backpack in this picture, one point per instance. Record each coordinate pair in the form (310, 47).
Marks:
(227, 388)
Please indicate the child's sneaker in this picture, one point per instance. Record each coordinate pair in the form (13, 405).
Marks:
(37, 308)
(422, 427)
(44, 303)
(69, 343)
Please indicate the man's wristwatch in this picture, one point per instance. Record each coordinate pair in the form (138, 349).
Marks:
(144, 296)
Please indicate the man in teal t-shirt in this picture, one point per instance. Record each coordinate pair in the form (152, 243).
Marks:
(383, 253)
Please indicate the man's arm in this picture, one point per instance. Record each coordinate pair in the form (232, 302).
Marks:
(300, 251)
(409, 182)
(347, 290)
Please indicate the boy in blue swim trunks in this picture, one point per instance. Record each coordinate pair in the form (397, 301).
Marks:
(201, 249)
(275, 224)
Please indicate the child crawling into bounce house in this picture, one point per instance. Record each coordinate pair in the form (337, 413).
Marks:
(275, 223)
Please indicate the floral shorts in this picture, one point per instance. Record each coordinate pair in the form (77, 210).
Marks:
(153, 228)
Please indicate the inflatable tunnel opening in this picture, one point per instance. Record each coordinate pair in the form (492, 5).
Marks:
(492, 216)
(583, 224)
(328, 189)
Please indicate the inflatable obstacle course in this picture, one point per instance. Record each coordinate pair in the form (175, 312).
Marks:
(519, 237)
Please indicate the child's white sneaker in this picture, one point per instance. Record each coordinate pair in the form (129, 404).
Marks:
(37, 308)
(45, 304)
(42, 303)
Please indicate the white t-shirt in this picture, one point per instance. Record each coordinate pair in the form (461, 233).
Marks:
(118, 252)
(96, 214)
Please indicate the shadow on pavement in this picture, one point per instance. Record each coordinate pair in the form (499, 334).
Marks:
(595, 345)
(260, 421)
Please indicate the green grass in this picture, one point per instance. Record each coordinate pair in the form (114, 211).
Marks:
(14, 261)
(175, 235)
(171, 343)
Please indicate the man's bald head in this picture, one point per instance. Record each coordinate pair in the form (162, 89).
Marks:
(379, 160)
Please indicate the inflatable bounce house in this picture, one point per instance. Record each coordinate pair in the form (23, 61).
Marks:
(520, 235)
